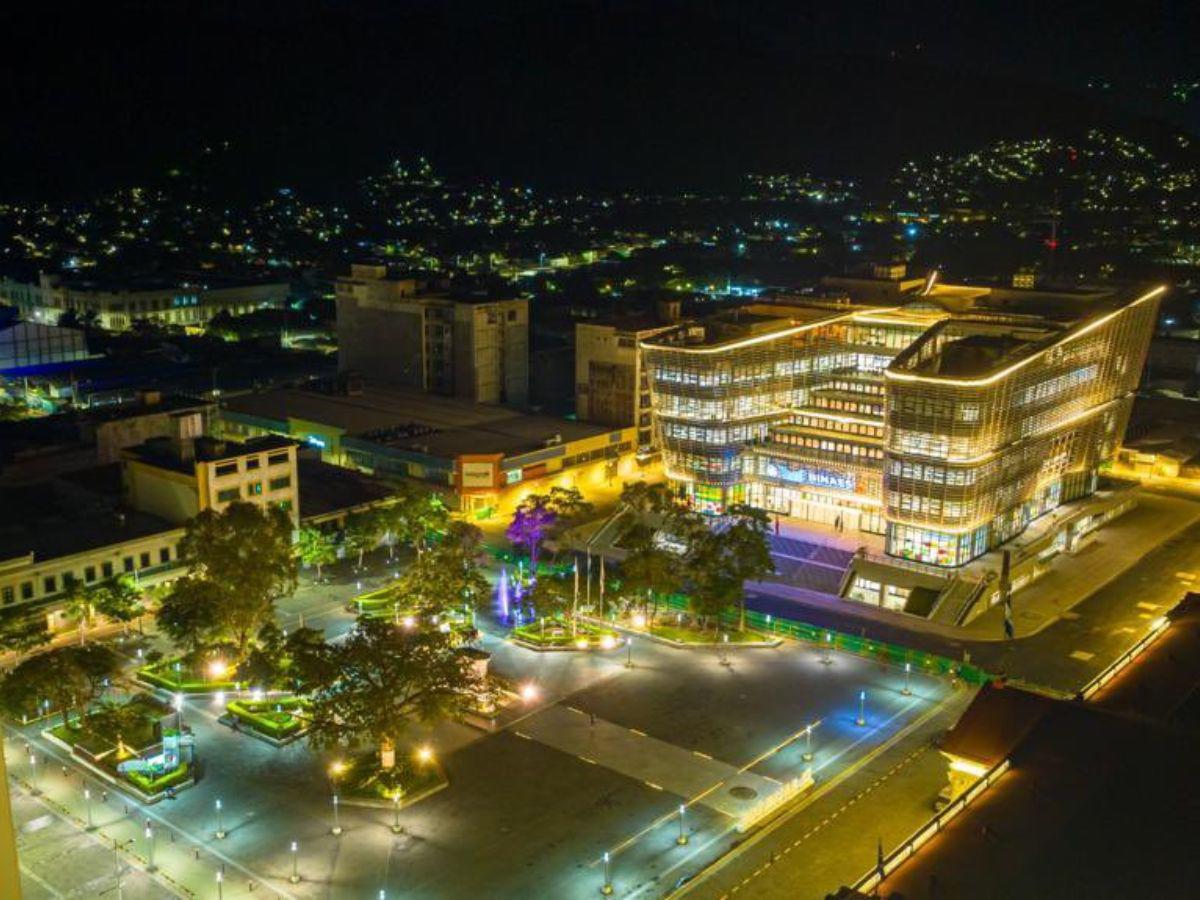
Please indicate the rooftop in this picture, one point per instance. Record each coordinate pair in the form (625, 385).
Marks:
(61, 517)
(164, 453)
(412, 419)
(326, 489)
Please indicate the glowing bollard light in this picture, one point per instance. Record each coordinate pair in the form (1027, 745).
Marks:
(149, 834)
(682, 839)
(33, 788)
(220, 832)
(220, 885)
(827, 657)
(862, 709)
(907, 692)
(607, 889)
(725, 649)
(337, 823)
(295, 876)
(807, 755)
(87, 798)
(397, 797)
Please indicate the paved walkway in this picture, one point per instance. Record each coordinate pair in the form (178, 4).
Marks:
(657, 764)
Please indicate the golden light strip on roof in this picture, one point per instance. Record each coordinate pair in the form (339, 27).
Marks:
(749, 341)
(1021, 363)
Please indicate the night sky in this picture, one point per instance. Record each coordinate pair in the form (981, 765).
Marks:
(559, 93)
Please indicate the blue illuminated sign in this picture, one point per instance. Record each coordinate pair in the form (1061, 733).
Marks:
(316, 441)
(814, 477)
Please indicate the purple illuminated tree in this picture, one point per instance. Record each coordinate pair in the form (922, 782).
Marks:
(532, 521)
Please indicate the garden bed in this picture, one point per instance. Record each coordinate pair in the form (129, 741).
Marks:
(558, 635)
(364, 783)
(277, 721)
(186, 679)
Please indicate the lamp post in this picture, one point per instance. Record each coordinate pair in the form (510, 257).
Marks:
(337, 825)
(724, 649)
(335, 770)
(179, 713)
(149, 835)
(682, 839)
(629, 652)
(295, 876)
(220, 885)
(33, 788)
(396, 800)
(220, 832)
(807, 755)
(827, 658)
(87, 799)
(862, 709)
(907, 692)
(607, 889)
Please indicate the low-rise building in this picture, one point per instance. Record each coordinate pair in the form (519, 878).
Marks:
(179, 476)
(187, 301)
(33, 346)
(477, 454)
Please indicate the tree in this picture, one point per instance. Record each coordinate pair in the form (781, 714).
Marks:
(52, 676)
(97, 665)
(79, 604)
(21, 635)
(315, 547)
(414, 515)
(190, 614)
(373, 685)
(724, 559)
(363, 532)
(119, 599)
(541, 516)
(245, 556)
(549, 597)
(444, 577)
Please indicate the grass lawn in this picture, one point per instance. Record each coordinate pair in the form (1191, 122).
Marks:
(687, 634)
(150, 783)
(275, 718)
(96, 736)
(558, 633)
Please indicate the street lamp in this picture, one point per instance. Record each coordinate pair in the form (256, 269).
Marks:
(425, 753)
(396, 800)
(607, 889)
(295, 877)
(149, 835)
(682, 839)
(335, 769)
(629, 652)
(807, 755)
(87, 798)
(220, 832)
(907, 692)
(724, 649)
(827, 659)
(179, 713)
(220, 885)
(33, 788)
(862, 709)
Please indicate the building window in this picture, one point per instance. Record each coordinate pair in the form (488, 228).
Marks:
(277, 459)
(49, 584)
(252, 463)
(127, 564)
(27, 590)
(254, 490)
(145, 560)
(278, 484)
(226, 469)
(228, 495)
(106, 569)
(8, 596)
(89, 574)
(164, 554)
(285, 505)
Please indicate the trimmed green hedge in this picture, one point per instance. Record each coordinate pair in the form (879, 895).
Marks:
(262, 716)
(162, 782)
(162, 674)
(532, 633)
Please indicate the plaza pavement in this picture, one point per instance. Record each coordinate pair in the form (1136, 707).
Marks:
(520, 818)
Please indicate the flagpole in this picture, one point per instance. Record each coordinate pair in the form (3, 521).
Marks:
(602, 586)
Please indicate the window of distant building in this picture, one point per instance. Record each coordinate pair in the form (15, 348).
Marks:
(127, 564)
(106, 569)
(278, 484)
(27, 590)
(227, 469)
(89, 574)
(228, 495)
(164, 555)
(8, 596)
(49, 584)
(145, 560)
(255, 489)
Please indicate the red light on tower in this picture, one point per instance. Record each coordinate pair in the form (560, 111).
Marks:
(1052, 243)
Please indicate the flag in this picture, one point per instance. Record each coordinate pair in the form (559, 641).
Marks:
(1006, 593)
(602, 585)
(1009, 631)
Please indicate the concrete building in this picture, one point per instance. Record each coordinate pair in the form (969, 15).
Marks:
(946, 418)
(189, 301)
(610, 386)
(10, 873)
(479, 455)
(177, 477)
(404, 331)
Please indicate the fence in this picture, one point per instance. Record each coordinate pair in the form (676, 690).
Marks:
(894, 654)
(869, 882)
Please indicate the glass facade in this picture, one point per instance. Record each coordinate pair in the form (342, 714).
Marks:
(947, 426)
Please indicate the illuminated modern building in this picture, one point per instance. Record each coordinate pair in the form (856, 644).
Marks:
(945, 418)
